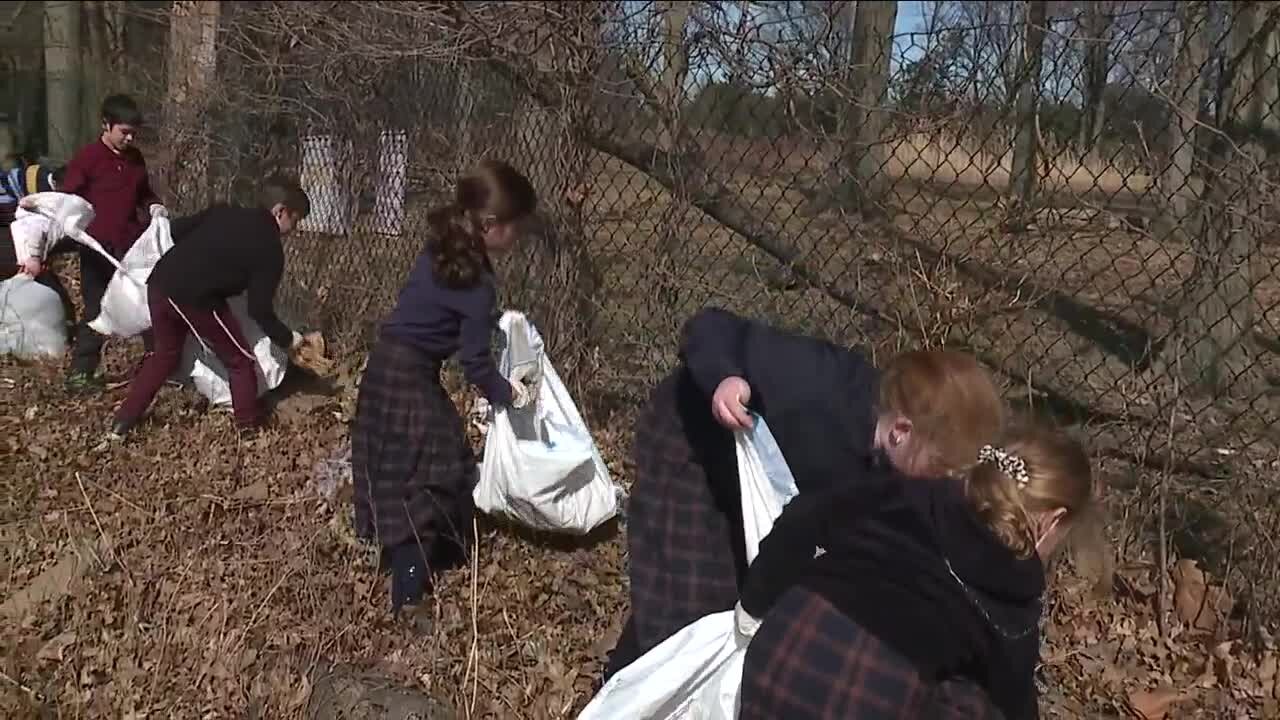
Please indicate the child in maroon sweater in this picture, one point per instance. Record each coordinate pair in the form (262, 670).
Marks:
(111, 174)
(218, 254)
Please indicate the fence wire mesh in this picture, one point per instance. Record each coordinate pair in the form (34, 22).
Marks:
(1079, 193)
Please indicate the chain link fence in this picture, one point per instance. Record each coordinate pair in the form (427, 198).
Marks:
(1079, 193)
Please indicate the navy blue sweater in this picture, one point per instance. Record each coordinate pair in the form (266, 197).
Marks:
(896, 554)
(818, 398)
(442, 321)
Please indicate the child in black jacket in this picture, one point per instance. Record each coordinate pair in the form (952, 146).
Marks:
(927, 582)
(218, 254)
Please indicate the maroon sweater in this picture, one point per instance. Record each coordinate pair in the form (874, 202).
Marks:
(116, 185)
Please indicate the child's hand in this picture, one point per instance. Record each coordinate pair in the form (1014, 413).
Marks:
(519, 395)
(32, 266)
(729, 404)
(27, 203)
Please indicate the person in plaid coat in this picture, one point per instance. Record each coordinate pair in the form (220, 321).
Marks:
(912, 600)
(835, 417)
(412, 468)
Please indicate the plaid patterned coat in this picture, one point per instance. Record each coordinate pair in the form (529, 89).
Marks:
(811, 662)
(411, 465)
(684, 519)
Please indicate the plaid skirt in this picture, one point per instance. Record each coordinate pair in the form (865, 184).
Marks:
(412, 469)
(684, 519)
(809, 661)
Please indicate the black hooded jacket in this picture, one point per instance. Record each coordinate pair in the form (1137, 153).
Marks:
(911, 562)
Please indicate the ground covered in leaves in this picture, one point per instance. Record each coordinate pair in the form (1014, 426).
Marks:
(187, 574)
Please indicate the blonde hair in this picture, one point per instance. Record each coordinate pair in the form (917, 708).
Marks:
(1033, 470)
(952, 403)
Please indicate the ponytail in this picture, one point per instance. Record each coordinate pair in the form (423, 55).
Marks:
(1035, 470)
(457, 248)
(996, 499)
(493, 192)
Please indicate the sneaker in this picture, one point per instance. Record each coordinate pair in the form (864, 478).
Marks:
(84, 382)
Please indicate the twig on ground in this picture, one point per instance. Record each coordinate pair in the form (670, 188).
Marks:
(106, 539)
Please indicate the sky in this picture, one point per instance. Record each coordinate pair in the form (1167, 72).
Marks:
(910, 19)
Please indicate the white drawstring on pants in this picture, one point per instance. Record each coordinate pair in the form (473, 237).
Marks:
(221, 324)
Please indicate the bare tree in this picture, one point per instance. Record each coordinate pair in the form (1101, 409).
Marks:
(193, 30)
(62, 75)
(1186, 81)
(1096, 23)
(865, 117)
(675, 65)
(1212, 351)
(1255, 82)
(1022, 177)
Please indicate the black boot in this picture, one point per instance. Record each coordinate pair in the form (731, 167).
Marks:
(409, 580)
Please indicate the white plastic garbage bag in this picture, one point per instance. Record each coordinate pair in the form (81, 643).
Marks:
(541, 466)
(124, 304)
(697, 672)
(68, 216)
(210, 377)
(33, 322)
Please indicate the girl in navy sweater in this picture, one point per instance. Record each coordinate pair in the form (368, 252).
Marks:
(925, 599)
(412, 467)
(835, 417)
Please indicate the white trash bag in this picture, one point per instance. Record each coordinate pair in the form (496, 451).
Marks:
(210, 377)
(68, 216)
(124, 304)
(33, 322)
(541, 466)
(697, 672)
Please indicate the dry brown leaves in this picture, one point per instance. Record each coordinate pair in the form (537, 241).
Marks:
(212, 578)
(310, 355)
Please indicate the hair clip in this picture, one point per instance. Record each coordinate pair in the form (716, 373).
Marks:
(1006, 462)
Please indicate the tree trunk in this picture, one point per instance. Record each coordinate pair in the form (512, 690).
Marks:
(865, 119)
(1026, 147)
(1267, 93)
(1253, 88)
(1191, 55)
(553, 276)
(675, 68)
(681, 152)
(1211, 351)
(1097, 31)
(193, 31)
(62, 76)
(1211, 354)
(98, 60)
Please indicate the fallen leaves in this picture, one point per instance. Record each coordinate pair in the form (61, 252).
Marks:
(311, 355)
(244, 568)
(52, 584)
(1153, 704)
(1198, 604)
(52, 651)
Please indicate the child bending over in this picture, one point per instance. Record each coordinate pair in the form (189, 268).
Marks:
(926, 597)
(218, 254)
